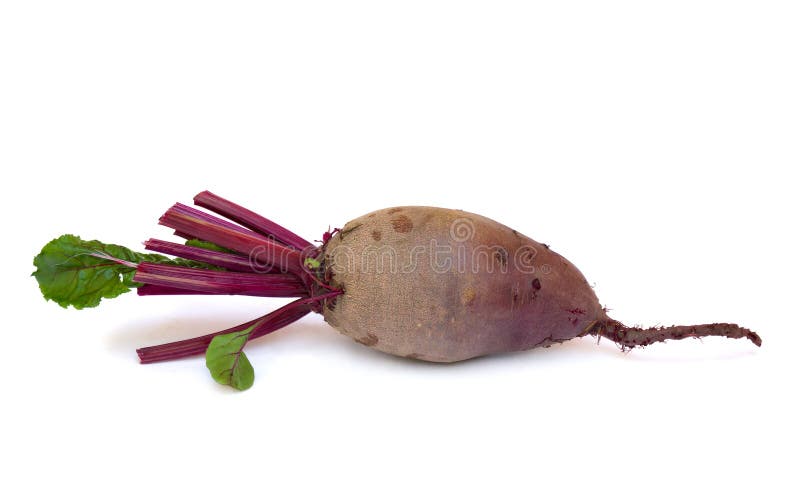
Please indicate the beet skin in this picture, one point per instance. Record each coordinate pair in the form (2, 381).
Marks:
(445, 285)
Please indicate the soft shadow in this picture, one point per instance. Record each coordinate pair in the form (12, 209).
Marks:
(146, 332)
(567, 352)
(579, 350)
(310, 334)
(670, 351)
(700, 354)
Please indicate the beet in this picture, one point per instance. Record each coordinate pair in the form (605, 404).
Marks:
(426, 283)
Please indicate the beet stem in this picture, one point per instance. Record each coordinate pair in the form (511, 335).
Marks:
(629, 337)
(251, 220)
(220, 282)
(152, 290)
(261, 251)
(269, 323)
(231, 262)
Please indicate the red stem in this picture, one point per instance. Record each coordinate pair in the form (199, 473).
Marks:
(203, 216)
(261, 251)
(267, 324)
(152, 290)
(220, 282)
(228, 261)
(249, 219)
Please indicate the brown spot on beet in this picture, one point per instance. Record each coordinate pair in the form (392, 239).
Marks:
(371, 215)
(467, 296)
(413, 355)
(376, 235)
(369, 340)
(501, 256)
(536, 285)
(402, 224)
(395, 210)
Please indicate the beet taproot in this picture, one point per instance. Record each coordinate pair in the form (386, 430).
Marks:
(444, 285)
(427, 283)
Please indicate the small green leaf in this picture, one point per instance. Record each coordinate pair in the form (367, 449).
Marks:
(227, 362)
(311, 263)
(194, 242)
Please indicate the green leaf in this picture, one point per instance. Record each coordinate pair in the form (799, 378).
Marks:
(69, 275)
(311, 263)
(194, 242)
(227, 362)
(79, 273)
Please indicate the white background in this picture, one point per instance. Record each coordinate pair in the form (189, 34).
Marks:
(654, 144)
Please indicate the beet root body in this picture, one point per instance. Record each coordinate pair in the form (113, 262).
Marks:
(444, 285)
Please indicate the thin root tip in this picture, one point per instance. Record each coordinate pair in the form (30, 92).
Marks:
(635, 336)
(754, 338)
